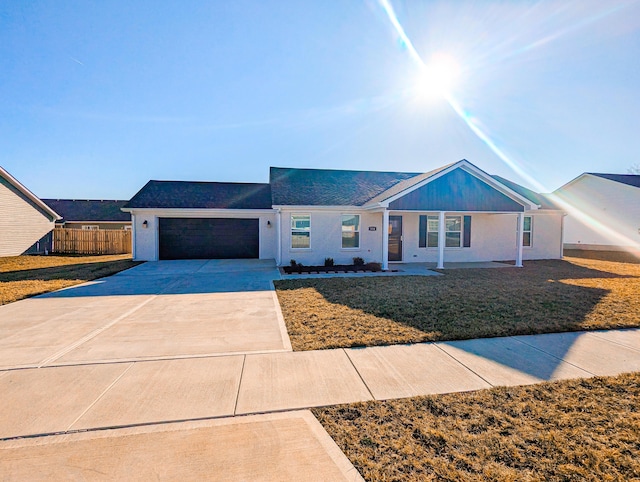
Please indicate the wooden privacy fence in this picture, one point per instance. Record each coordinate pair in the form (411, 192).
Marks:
(97, 241)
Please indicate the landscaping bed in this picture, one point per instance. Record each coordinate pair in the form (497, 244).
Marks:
(570, 430)
(340, 268)
(25, 276)
(543, 297)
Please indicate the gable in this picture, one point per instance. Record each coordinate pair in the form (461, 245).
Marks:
(14, 201)
(456, 191)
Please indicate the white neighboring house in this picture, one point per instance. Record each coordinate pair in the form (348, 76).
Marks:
(456, 213)
(604, 213)
(24, 219)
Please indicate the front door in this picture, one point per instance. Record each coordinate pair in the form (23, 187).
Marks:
(395, 238)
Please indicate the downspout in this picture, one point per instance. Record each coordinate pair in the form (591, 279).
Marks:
(133, 236)
(385, 240)
(562, 235)
(279, 238)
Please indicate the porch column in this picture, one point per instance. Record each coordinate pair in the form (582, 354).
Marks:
(385, 240)
(441, 240)
(520, 238)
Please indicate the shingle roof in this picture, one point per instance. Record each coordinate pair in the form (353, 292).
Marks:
(328, 187)
(89, 210)
(202, 195)
(629, 179)
(540, 199)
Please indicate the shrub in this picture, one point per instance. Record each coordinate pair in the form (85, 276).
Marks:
(293, 263)
(328, 261)
(374, 266)
(358, 261)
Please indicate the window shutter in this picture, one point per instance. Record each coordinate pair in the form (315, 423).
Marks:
(466, 240)
(422, 243)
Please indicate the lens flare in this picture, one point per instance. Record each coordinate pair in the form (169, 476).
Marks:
(439, 77)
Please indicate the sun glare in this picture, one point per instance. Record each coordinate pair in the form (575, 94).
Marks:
(439, 77)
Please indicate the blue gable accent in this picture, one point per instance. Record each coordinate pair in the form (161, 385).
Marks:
(456, 191)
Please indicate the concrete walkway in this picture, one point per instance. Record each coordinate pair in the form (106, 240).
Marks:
(95, 396)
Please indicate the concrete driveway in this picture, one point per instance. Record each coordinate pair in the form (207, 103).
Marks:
(166, 309)
(157, 351)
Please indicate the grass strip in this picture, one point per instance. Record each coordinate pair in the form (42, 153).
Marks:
(569, 430)
(25, 276)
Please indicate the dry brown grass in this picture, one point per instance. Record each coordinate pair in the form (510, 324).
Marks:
(570, 430)
(25, 276)
(543, 297)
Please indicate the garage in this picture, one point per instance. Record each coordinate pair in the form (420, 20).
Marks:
(208, 238)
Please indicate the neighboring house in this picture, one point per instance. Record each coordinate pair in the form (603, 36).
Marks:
(90, 214)
(454, 213)
(603, 212)
(25, 221)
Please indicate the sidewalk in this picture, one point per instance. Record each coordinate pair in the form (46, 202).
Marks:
(66, 399)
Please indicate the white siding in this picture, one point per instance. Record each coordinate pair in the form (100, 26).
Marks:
(614, 208)
(493, 238)
(326, 238)
(146, 239)
(21, 223)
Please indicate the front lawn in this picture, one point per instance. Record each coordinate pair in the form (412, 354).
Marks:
(24, 276)
(543, 297)
(569, 430)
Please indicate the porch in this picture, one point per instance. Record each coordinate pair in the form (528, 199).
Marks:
(454, 239)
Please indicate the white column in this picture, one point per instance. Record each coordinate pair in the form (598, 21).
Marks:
(385, 240)
(278, 238)
(520, 238)
(441, 240)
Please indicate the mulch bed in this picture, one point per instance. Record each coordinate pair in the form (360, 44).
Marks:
(340, 268)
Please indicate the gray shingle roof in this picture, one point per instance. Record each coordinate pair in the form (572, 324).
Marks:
(628, 179)
(89, 210)
(328, 187)
(540, 199)
(202, 195)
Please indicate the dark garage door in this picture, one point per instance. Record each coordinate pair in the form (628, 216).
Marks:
(185, 238)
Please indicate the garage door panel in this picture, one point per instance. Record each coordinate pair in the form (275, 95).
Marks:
(208, 238)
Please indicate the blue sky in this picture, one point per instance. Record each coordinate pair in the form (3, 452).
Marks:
(96, 98)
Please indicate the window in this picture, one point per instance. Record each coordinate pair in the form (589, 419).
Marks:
(90, 227)
(432, 231)
(300, 231)
(527, 231)
(457, 231)
(350, 231)
(453, 231)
